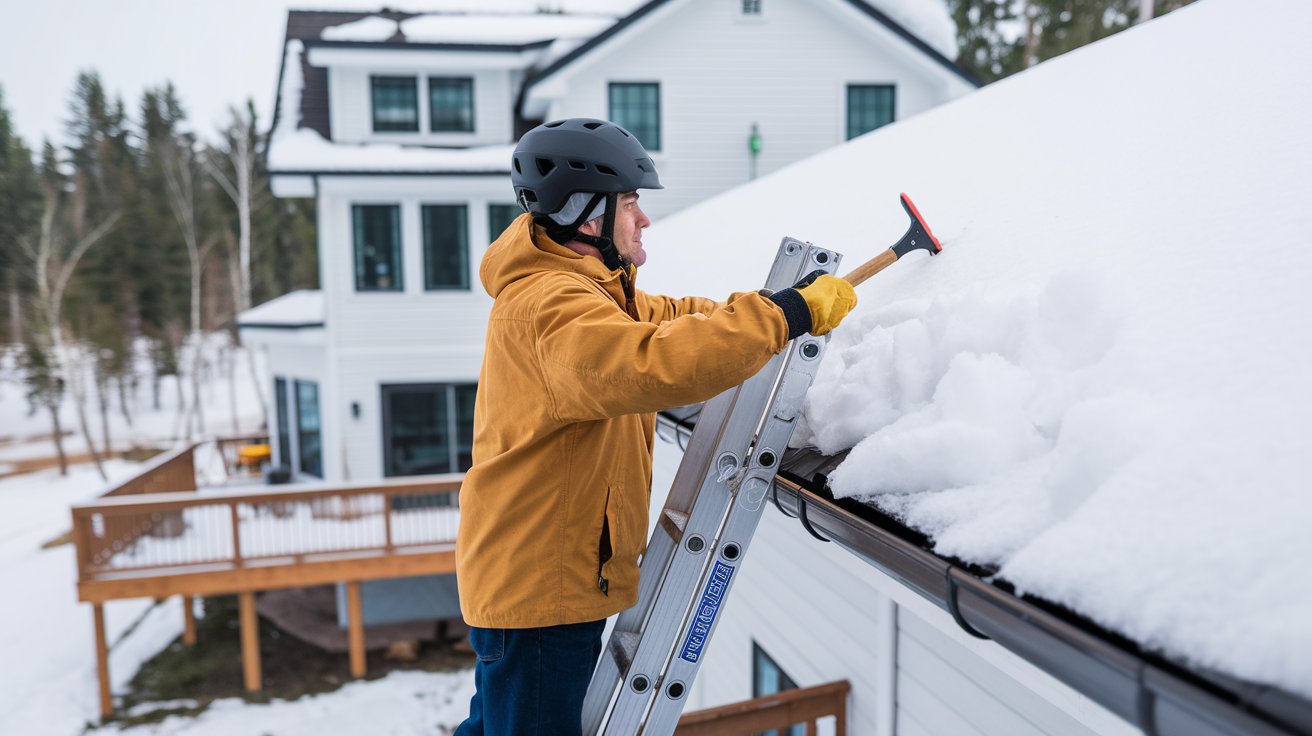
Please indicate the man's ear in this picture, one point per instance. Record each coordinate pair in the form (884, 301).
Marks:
(591, 227)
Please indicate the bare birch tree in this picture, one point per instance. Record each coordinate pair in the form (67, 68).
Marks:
(179, 164)
(242, 188)
(53, 266)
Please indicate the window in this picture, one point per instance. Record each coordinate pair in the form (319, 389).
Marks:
(446, 246)
(869, 106)
(450, 104)
(396, 103)
(307, 428)
(377, 247)
(428, 428)
(499, 217)
(637, 108)
(768, 679)
(284, 422)
(751, 7)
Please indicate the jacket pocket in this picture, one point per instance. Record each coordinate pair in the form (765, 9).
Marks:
(623, 538)
(605, 548)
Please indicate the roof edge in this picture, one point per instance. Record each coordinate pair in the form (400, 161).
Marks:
(916, 41)
(413, 46)
(1158, 697)
(628, 20)
(386, 172)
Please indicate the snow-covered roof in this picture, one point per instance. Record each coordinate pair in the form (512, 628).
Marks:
(556, 32)
(1100, 388)
(298, 309)
(926, 26)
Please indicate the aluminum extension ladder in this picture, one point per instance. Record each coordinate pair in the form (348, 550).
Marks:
(647, 668)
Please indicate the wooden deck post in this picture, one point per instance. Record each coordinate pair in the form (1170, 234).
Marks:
(189, 620)
(355, 627)
(250, 640)
(102, 661)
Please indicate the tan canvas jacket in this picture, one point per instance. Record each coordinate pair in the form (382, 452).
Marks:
(553, 514)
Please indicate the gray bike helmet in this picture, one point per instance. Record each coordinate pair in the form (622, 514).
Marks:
(557, 159)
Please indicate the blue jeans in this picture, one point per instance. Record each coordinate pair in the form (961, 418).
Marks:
(531, 681)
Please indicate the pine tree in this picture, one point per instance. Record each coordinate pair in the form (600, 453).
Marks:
(997, 38)
(20, 201)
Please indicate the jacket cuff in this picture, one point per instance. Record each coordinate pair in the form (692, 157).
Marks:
(795, 311)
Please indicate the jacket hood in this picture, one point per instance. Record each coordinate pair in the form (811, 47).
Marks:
(524, 250)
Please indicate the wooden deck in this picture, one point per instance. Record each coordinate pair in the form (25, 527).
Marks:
(155, 535)
(779, 711)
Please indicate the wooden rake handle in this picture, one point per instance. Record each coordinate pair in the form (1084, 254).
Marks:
(917, 237)
(871, 267)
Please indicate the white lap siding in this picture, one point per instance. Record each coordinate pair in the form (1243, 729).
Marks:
(822, 614)
(944, 688)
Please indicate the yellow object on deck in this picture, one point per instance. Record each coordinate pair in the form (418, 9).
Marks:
(252, 456)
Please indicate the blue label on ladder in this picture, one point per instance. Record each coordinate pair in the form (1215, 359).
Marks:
(707, 609)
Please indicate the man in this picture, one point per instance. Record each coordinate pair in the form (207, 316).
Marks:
(576, 362)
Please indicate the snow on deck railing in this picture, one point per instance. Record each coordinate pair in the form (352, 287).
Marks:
(169, 533)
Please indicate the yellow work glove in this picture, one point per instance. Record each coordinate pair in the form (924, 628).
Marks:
(816, 304)
(829, 299)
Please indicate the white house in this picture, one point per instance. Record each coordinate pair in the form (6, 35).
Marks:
(401, 125)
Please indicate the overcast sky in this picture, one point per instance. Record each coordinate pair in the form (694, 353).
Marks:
(216, 52)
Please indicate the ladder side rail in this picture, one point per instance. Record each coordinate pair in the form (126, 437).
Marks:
(684, 568)
(620, 648)
(742, 423)
(738, 530)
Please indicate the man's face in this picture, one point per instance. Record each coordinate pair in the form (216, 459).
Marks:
(630, 221)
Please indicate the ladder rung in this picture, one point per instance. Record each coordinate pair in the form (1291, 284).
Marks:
(674, 522)
(623, 646)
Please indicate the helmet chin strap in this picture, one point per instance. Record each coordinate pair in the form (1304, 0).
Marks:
(605, 242)
(610, 255)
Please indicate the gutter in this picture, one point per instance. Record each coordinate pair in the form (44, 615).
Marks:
(1158, 697)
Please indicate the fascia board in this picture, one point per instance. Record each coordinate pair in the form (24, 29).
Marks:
(554, 82)
(408, 59)
(1137, 690)
(849, 16)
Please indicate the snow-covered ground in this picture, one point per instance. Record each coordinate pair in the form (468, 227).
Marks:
(229, 406)
(1101, 386)
(400, 704)
(49, 687)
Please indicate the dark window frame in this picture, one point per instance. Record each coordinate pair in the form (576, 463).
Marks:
(282, 421)
(751, 8)
(431, 283)
(781, 683)
(398, 249)
(316, 467)
(450, 394)
(467, 119)
(650, 139)
(853, 128)
(376, 84)
(495, 228)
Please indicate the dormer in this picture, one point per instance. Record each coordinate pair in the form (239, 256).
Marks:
(422, 94)
(447, 80)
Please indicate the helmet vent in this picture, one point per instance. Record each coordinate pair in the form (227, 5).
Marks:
(554, 124)
(545, 166)
(592, 126)
(518, 170)
(578, 165)
(608, 171)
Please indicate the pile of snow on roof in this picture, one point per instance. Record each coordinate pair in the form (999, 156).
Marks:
(1101, 387)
